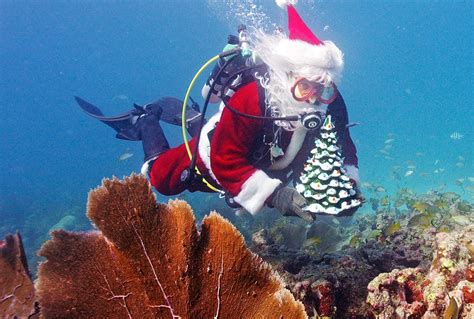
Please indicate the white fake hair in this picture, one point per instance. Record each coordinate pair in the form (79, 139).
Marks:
(283, 70)
(323, 63)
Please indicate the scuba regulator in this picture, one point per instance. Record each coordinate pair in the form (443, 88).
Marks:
(310, 121)
(244, 41)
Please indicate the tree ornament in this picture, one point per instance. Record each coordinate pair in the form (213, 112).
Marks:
(324, 182)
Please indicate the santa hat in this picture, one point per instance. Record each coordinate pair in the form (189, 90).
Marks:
(304, 53)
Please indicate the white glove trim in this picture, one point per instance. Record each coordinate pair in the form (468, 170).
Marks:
(256, 189)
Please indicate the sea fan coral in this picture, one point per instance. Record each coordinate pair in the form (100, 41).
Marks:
(148, 260)
(17, 296)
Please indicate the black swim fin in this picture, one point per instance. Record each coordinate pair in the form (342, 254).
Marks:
(123, 123)
(138, 124)
(173, 109)
(172, 113)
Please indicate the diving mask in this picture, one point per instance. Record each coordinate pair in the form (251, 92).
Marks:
(311, 91)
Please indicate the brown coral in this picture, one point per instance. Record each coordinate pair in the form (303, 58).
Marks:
(149, 260)
(16, 288)
(397, 294)
(318, 297)
(441, 292)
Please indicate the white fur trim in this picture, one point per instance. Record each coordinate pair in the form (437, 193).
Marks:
(323, 62)
(256, 189)
(293, 148)
(204, 143)
(146, 166)
(144, 169)
(353, 172)
(284, 3)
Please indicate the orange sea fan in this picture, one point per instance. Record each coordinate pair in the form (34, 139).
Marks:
(148, 260)
(17, 296)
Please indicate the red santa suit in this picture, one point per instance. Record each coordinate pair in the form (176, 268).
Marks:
(227, 149)
(230, 148)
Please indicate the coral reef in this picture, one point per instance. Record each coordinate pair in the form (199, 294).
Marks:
(322, 291)
(17, 296)
(331, 285)
(397, 294)
(148, 260)
(411, 257)
(348, 253)
(443, 291)
(405, 249)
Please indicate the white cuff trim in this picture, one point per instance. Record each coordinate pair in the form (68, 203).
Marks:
(256, 189)
(146, 167)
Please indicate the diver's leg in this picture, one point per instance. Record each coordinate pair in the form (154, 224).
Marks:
(168, 109)
(153, 138)
(166, 170)
(154, 143)
(173, 111)
(193, 125)
(146, 127)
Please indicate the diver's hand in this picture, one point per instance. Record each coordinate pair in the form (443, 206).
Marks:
(360, 197)
(290, 203)
(359, 194)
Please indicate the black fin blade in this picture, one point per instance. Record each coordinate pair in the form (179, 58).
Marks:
(172, 110)
(121, 122)
(90, 109)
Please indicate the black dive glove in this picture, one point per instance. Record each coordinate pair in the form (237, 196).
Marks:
(359, 194)
(290, 203)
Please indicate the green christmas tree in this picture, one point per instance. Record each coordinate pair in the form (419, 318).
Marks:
(324, 182)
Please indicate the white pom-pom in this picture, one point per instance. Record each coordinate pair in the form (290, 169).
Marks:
(284, 3)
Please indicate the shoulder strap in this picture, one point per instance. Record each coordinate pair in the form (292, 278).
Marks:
(268, 125)
(261, 98)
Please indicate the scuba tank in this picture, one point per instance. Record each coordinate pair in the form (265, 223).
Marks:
(216, 81)
(244, 41)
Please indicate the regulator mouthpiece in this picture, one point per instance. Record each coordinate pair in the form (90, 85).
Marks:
(312, 121)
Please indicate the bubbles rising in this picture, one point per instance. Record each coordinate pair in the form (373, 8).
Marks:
(236, 12)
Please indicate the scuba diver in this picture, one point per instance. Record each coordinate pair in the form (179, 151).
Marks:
(274, 96)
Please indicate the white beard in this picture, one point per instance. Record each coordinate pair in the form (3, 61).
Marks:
(278, 97)
(279, 100)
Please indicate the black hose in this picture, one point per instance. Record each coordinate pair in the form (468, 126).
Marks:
(256, 117)
(192, 165)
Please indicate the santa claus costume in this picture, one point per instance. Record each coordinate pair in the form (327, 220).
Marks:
(250, 158)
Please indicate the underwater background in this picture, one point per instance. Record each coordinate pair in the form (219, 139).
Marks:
(408, 80)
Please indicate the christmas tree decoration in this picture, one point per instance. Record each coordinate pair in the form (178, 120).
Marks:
(324, 182)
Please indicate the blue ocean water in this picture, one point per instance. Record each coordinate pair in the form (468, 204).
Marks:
(407, 80)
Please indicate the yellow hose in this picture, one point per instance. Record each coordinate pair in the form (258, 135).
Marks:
(183, 118)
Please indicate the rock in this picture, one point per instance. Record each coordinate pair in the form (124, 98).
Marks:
(261, 241)
(66, 223)
(439, 292)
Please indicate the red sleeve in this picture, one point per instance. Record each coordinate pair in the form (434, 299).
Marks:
(231, 148)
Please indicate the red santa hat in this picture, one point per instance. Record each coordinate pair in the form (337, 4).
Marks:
(304, 53)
